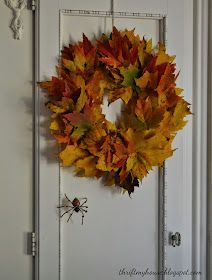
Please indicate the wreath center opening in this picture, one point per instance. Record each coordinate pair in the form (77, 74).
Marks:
(111, 111)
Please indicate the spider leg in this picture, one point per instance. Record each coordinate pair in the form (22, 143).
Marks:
(82, 215)
(70, 215)
(83, 209)
(84, 206)
(67, 198)
(85, 198)
(66, 212)
(64, 206)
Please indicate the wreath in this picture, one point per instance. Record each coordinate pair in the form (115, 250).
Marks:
(126, 67)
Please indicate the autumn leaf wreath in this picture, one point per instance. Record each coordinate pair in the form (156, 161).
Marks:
(127, 68)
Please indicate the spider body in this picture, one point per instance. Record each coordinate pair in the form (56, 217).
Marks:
(74, 206)
(76, 202)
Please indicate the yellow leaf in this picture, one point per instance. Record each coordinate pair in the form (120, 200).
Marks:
(178, 91)
(164, 58)
(177, 121)
(167, 80)
(56, 109)
(79, 59)
(87, 165)
(146, 78)
(54, 125)
(102, 164)
(81, 101)
(69, 65)
(130, 162)
(155, 149)
(67, 104)
(149, 46)
(45, 85)
(134, 39)
(143, 80)
(96, 86)
(111, 126)
(139, 169)
(70, 154)
(125, 93)
(79, 131)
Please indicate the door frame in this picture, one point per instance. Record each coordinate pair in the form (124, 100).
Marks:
(200, 149)
(201, 145)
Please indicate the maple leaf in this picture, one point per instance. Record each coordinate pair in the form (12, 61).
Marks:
(144, 52)
(94, 136)
(147, 79)
(84, 55)
(55, 87)
(54, 125)
(55, 108)
(67, 52)
(118, 50)
(167, 80)
(180, 112)
(81, 123)
(78, 132)
(136, 165)
(80, 57)
(109, 56)
(154, 149)
(156, 117)
(86, 166)
(70, 154)
(96, 86)
(128, 184)
(62, 138)
(69, 64)
(134, 39)
(125, 93)
(129, 74)
(162, 57)
(77, 118)
(105, 156)
(174, 120)
(82, 99)
(143, 109)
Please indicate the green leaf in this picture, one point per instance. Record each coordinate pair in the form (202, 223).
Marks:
(129, 74)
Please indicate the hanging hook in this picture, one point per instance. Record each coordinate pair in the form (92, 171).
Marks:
(112, 12)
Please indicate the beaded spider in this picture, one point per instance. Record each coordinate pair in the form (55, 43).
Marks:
(75, 206)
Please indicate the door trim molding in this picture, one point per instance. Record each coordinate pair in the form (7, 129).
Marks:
(200, 94)
(209, 220)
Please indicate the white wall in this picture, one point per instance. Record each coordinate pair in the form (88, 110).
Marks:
(15, 147)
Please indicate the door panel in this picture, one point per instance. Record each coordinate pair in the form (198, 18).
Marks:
(118, 232)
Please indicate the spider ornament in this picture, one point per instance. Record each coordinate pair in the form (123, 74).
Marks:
(75, 206)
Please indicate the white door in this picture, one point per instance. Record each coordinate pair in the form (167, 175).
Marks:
(120, 236)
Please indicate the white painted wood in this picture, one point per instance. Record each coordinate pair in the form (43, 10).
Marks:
(179, 167)
(48, 171)
(144, 6)
(200, 137)
(75, 240)
(16, 148)
(47, 263)
(209, 233)
(107, 229)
